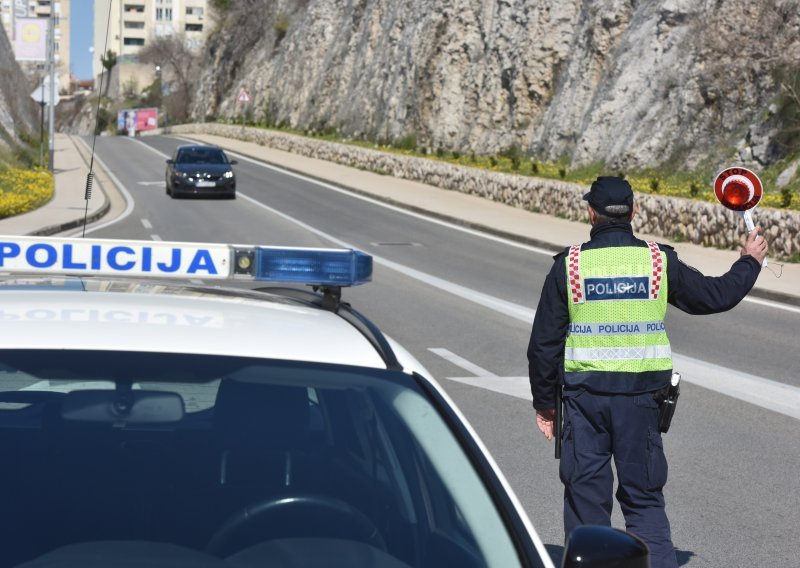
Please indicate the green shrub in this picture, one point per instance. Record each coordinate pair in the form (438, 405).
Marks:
(786, 197)
(407, 142)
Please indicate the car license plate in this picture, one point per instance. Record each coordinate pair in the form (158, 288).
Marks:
(205, 183)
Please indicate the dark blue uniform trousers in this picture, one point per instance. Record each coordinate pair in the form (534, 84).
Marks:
(597, 427)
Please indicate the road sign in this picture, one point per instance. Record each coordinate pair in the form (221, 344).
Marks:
(244, 96)
(37, 96)
(42, 92)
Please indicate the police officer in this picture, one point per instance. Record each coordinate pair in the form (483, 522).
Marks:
(599, 332)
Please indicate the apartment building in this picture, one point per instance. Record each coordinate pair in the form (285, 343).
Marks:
(125, 26)
(59, 10)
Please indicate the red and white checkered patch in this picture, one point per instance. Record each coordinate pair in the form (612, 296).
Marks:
(657, 265)
(574, 274)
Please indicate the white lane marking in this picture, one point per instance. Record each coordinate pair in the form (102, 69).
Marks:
(156, 238)
(441, 222)
(389, 206)
(506, 308)
(125, 194)
(738, 385)
(147, 224)
(772, 304)
(744, 383)
(766, 393)
(461, 362)
(151, 148)
(518, 387)
(510, 309)
(772, 395)
(161, 183)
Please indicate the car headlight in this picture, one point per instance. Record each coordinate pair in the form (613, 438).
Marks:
(181, 174)
(227, 175)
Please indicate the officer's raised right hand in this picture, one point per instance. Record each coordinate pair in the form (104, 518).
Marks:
(755, 246)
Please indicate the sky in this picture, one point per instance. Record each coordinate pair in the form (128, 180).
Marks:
(81, 38)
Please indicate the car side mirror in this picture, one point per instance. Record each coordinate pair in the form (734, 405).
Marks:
(233, 162)
(170, 161)
(593, 546)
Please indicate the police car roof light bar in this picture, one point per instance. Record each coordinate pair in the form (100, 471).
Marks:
(324, 267)
(163, 259)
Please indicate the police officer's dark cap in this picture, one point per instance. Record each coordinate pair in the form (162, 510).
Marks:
(611, 196)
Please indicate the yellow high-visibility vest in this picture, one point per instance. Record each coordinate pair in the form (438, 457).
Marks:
(617, 300)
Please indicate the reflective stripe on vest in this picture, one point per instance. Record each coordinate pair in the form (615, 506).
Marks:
(617, 302)
(617, 353)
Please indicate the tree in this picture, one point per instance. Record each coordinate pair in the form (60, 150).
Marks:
(108, 60)
(178, 64)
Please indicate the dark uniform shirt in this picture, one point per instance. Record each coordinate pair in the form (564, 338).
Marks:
(688, 290)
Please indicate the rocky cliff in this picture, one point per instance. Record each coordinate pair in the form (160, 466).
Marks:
(631, 83)
(18, 111)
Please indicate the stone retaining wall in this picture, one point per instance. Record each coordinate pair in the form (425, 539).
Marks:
(674, 218)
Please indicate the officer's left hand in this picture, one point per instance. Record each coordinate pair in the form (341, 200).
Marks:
(545, 420)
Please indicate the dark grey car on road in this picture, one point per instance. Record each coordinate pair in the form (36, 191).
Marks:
(199, 169)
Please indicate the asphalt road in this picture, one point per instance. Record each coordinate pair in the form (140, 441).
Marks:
(462, 303)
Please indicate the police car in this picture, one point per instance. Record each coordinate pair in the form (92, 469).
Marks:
(146, 420)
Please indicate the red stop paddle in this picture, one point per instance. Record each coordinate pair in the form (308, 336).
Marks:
(739, 189)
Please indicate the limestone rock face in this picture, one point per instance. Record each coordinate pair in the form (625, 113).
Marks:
(628, 83)
(18, 111)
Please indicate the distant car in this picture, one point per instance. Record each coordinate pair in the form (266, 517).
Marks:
(199, 169)
(148, 420)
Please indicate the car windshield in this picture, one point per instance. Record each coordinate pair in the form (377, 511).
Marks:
(201, 156)
(230, 461)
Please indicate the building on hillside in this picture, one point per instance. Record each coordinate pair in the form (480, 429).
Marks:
(125, 26)
(58, 11)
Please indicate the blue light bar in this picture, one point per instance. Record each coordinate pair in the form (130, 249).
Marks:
(162, 259)
(327, 267)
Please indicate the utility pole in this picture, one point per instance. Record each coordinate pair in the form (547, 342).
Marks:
(51, 61)
(42, 104)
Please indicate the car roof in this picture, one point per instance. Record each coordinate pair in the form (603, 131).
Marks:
(142, 316)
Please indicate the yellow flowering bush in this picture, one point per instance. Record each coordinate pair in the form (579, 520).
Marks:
(22, 190)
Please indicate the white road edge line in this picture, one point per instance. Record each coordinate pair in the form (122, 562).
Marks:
(760, 391)
(441, 222)
(389, 206)
(129, 203)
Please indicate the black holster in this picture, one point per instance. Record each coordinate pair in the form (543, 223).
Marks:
(667, 399)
